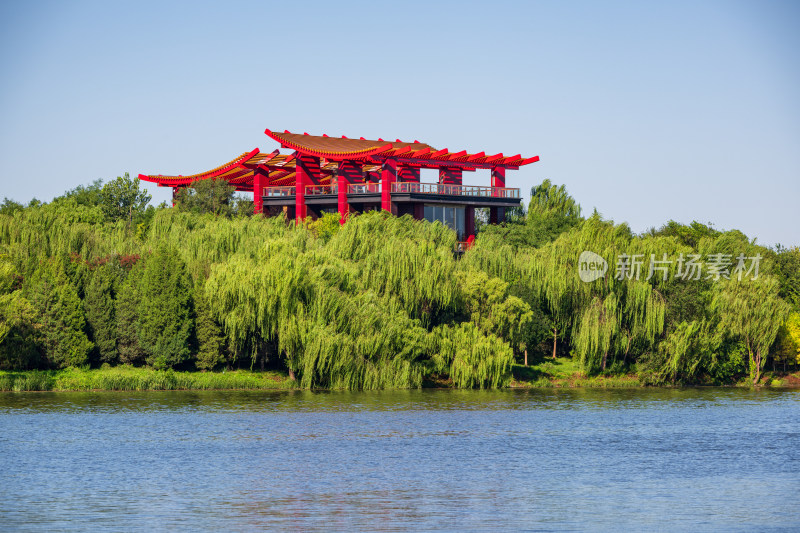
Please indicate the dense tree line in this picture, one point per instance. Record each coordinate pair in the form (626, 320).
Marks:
(99, 277)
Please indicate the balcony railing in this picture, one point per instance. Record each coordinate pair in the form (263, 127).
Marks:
(279, 191)
(456, 190)
(364, 188)
(316, 190)
(409, 187)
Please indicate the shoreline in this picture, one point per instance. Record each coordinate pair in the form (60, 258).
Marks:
(125, 378)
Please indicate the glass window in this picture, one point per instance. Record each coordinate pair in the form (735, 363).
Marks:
(461, 227)
(450, 217)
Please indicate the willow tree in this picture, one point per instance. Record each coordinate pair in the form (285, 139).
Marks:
(469, 357)
(688, 350)
(19, 323)
(412, 260)
(353, 312)
(752, 312)
(327, 333)
(551, 212)
(612, 315)
(492, 309)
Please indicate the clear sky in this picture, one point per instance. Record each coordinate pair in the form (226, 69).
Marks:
(647, 111)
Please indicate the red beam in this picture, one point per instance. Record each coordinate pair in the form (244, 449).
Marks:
(407, 174)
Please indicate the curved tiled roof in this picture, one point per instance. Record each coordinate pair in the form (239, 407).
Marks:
(280, 168)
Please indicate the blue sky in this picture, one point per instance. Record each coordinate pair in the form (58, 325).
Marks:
(646, 111)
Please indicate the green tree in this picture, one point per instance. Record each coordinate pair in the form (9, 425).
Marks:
(788, 343)
(214, 196)
(490, 308)
(752, 312)
(127, 317)
(62, 322)
(166, 314)
(325, 226)
(551, 212)
(9, 207)
(100, 307)
(689, 235)
(210, 340)
(122, 199)
(788, 272)
(88, 195)
(18, 323)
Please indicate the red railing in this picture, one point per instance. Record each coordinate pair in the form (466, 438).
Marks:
(279, 191)
(408, 187)
(455, 190)
(364, 188)
(316, 190)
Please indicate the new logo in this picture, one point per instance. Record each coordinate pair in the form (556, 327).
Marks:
(591, 266)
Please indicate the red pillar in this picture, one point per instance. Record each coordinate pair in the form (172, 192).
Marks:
(451, 176)
(498, 177)
(407, 174)
(469, 221)
(307, 172)
(388, 176)
(497, 214)
(260, 178)
(349, 172)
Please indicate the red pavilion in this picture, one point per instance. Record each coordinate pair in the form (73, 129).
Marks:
(330, 174)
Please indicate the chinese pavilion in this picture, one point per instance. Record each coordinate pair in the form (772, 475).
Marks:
(326, 174)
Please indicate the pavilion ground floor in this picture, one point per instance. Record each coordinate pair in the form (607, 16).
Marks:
(452, 205)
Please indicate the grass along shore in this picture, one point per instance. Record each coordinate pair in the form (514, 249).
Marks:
(561, 373)
(566, 373)
(127, 378)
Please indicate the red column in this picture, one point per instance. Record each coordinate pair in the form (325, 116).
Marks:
(388, 176)
(450, 176)
(174, 194)
(407, 174)
(259, 179)
(497, 214)
(469, 221)
(349, 172)
(308, 172)
(498, 177)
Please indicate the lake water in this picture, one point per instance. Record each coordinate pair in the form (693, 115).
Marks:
(695, 459)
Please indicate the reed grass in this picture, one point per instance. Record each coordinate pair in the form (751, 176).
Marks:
(127, 378)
